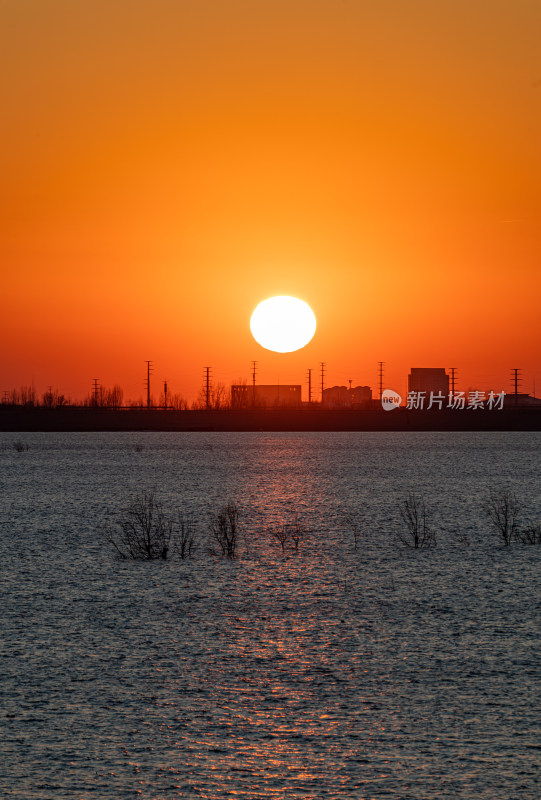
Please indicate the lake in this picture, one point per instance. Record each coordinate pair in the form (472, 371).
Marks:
(338, 671)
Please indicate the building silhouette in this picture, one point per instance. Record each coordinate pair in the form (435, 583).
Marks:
(344, 397)
(522, 400)
(265, 396)
(428, 379)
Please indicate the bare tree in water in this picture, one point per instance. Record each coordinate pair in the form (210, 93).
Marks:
(141, 530)
(186, 536)
(354, 524)
(414, 531)
(224, 526)
(502, 509)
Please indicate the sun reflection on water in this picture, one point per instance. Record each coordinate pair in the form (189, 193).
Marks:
(321, 673)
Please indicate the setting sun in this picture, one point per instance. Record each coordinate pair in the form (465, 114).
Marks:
(283, 324)
(236, 520)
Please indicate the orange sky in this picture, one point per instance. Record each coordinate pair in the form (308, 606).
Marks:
(167, 165)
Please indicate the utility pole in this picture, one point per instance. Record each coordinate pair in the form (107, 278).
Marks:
(95, 391)
(207, 387)
(254, 369)
(309, 386)
(452, 370)
(516, 380)
(381, 364)
(165, 395)
(322, 365)
(147, 381)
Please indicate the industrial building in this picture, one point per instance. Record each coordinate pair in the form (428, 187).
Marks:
(428, 379)
(344, 397)
(266, 396)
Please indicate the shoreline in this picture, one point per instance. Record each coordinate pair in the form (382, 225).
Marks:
(19, 420)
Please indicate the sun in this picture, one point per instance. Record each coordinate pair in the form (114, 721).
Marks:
(283, 324)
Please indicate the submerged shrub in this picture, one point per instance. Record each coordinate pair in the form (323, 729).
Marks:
(462, 538)
(19, 446)
(224, 529)
(293, 531)
(354, 525)
(186, 536)
(502, 509)
(415, 531)
(297, 531)
(141, 530)
(530, 535)
(281, 533)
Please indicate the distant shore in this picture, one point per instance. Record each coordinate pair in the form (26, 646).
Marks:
(13, 419)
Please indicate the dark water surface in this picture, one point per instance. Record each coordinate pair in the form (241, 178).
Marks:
(380, 672)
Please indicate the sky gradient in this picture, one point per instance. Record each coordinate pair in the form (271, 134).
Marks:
(165, 166)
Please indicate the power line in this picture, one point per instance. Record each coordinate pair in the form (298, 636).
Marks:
(207, 387)
(254, 370)
(381, 364)
(147, 381)
(453, 371)
(95, 391)
(516, 380)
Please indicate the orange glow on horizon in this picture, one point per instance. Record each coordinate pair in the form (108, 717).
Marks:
(165, 169)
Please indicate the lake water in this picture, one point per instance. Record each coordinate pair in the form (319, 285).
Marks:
(334, 672)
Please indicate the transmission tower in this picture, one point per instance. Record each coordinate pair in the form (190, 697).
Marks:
(254, 371)
(309, 386)
(207, 387)
(516, 380)
(381, 364)
(147, 381)
(322, 365)
(165, 395)
(95, 391)
(452, 370)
